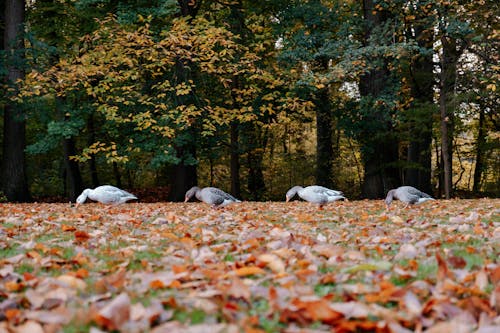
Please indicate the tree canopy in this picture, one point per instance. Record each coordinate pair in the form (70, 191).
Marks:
(255, 97)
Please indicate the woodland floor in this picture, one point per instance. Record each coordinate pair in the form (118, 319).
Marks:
(251, 267)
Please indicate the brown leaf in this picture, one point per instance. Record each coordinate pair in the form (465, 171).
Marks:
(317, 310)
(81, 236)
(273, 262)
(442, 272)
(239, 290)
(115, 313)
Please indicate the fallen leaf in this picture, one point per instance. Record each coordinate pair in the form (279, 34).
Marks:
(115, 313)
(273, 262)
(72, 282)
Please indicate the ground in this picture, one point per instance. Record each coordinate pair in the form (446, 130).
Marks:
(251, 267)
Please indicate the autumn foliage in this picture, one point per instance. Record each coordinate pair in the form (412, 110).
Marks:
(251, 267)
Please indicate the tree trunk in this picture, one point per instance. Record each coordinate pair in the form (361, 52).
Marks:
(420, 134)
(183, 178)
(380, 174)
(235, 161)
(324, 146)
(480, 142)
(73, 176)
(256, 184)
(14, 183)
(92, 162)
(118, 176)
(449, 60)
(379, 146)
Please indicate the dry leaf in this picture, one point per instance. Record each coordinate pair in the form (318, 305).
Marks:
(115, 313)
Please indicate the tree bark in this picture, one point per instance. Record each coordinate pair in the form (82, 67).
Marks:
(184, 176)
(379, 146)
(480, 143)
(92, 162)
(256, 184)
(73, 176)
(448, 62)
(235, 161)
(420, 133)
(117, 174)
(324, 145)
(14, 183)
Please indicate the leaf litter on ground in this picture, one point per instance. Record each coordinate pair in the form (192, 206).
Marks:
(252, 267)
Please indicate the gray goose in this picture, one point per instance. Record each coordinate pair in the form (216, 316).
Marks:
(210, 195)
(408, 195)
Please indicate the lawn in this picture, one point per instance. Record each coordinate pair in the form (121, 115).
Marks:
(251, 267)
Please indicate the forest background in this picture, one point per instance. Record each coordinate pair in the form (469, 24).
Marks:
(249, 96)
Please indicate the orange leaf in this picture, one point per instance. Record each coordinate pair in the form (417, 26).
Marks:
(249, 270)
(10, 314)
(66, 227)
(28, 276)
(179, 269)
(81, 236)
(13, 286)
(82, 273)
(175, 284)
(157, 284)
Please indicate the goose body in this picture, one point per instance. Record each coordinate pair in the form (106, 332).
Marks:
(316, 194)
(408, 195)
(211, 195)
(106, 194)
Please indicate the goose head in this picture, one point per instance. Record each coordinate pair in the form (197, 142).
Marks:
(190, 193)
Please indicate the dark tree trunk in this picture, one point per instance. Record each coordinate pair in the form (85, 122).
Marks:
(324, 146)
(448, 62)
(72, 171)
(2, 23)
(420, 133)
(237, 26)
(235, 161)
(380, 147)
(118, 176)
(14, 183)
(92, 162)
(380, 174)
(183, 178)
(256, 184)
(480, 143)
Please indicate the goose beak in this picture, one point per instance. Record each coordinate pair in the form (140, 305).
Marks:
(387, 207)
(76, 205)
(287, 198)
(186, 199)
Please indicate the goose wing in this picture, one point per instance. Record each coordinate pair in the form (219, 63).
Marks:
(410, 194)
(215, 196)
(325, 190)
